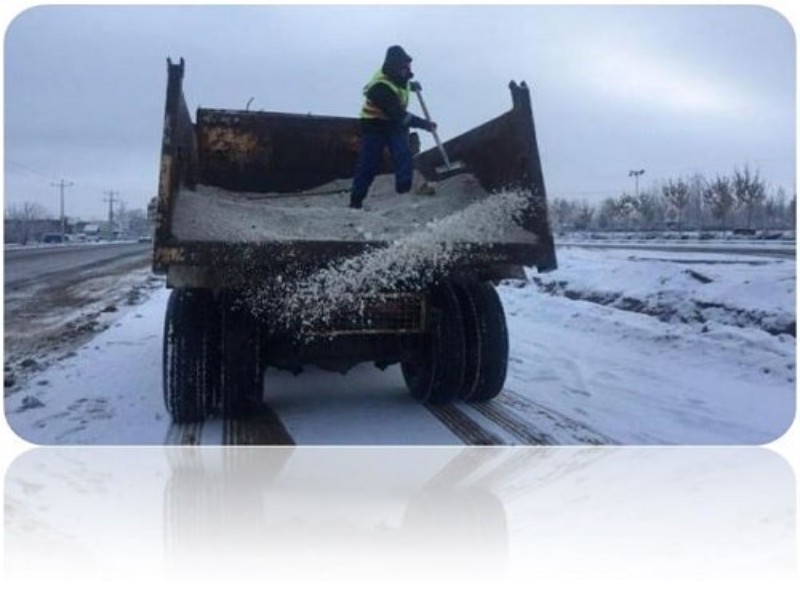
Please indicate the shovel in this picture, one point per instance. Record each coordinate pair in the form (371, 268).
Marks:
(449, 168)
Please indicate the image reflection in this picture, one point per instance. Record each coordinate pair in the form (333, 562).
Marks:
(342, 509)
(430, 512)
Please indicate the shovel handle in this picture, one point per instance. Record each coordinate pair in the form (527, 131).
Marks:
(435, 135)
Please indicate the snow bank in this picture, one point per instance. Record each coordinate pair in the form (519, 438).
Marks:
(595, 350)
(690, 288)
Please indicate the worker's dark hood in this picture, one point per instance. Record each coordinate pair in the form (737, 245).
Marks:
(396, 59)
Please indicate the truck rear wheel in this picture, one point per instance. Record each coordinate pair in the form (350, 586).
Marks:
(241, 365)
(472, 354)
(189, 355)
(436, 373)
(487, 343)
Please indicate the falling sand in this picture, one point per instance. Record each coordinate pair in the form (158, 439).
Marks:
(424, 235)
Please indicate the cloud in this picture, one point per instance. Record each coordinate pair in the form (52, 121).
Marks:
(631, 77)
(614, 87)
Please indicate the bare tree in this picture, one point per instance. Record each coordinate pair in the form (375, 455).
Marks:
(608, 214)
(649, 210)
(697, 185)
(627, 207)
(560, 210)
(774, 209)
(20, 218)
(676, 193)
(137, 221)
(749, 191)
(583, 216)
(721, 201)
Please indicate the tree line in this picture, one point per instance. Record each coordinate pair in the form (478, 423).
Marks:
(741, 200)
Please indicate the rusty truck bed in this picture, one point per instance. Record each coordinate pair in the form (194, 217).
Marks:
(231, 178)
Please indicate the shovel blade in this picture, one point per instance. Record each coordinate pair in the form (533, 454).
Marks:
(453, 169)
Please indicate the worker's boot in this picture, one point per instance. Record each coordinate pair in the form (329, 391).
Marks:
(356, 200)
(425, 189)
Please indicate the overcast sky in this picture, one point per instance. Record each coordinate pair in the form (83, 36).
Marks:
(674, 90)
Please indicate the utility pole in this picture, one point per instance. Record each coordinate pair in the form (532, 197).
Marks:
(61, 185)
(636, 175)
(110, 201)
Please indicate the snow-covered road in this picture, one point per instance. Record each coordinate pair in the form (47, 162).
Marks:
(615, 347)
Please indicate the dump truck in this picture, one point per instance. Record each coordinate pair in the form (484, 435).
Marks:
(268, 267)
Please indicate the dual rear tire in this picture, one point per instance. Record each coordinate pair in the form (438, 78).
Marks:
(212, 357)
(214, 352)
(465, 355)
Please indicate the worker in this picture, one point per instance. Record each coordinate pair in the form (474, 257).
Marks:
(385, 123)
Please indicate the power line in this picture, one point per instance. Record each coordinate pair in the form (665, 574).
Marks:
(48, 176)
(30, 171)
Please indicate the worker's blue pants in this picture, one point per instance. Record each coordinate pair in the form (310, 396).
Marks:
(370, 155)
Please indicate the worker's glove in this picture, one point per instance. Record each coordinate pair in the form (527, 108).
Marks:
(415, 86)
(431, 126)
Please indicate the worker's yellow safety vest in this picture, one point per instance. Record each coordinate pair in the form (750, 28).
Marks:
(370, 111)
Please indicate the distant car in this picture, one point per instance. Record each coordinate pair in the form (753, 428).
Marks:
(746, 231)
(145, 239)
(54, 238)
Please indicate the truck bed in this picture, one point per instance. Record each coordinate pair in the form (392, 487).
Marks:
(245, 195)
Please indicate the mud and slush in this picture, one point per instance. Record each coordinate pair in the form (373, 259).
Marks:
(50, 318)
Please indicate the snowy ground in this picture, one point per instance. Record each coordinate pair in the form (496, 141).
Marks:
(637, 347)
(658, 348)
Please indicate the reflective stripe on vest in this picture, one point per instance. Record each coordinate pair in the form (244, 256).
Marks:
(369, 110)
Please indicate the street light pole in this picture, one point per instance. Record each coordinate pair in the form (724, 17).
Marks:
(636, 175)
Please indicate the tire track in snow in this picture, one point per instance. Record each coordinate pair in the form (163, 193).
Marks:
(469, 431)
(521, 430)
(184, 434)
(262, 429)
(266, 429)
(577, 432)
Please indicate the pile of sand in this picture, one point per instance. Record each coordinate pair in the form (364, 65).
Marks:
(213, 214)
